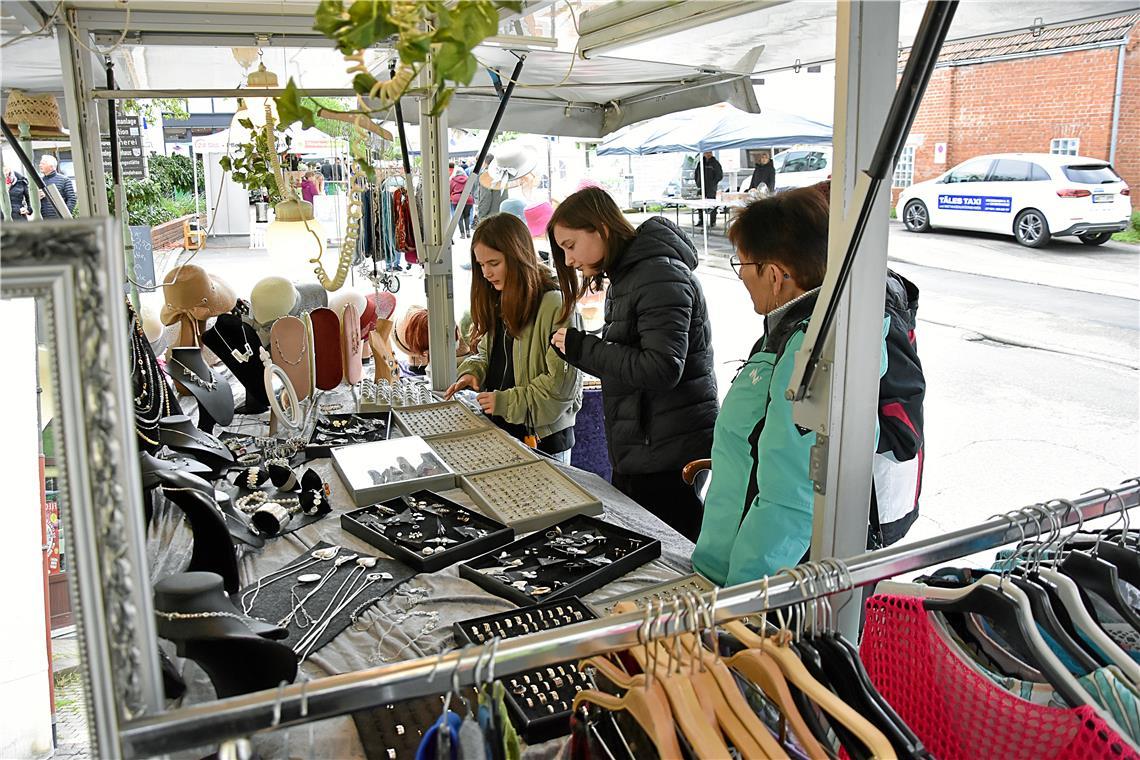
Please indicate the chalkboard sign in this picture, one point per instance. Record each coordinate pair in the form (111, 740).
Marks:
(144, 256)
(131, 158)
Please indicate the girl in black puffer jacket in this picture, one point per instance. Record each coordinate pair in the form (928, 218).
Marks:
(655, 354)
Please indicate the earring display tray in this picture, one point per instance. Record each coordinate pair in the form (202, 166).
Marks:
(658, 592)
(385, 395)
(386, 469)
(573, 558)
(470, 453)
(529, 496)
(426, 531)
(426, 420)
(333, 430)
(539, 702)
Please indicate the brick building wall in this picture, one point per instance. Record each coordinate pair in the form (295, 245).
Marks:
(1022, 104)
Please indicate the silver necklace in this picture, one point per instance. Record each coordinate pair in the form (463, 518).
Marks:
(195, 439)
(305, 647)
(203, 616)
(195, 378)
(283, 622)
(318, 555)
(284, 358)
(241, 356)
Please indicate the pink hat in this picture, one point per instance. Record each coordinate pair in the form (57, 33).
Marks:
(537, 217)
(586, 183)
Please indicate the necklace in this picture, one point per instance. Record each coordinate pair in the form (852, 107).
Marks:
(204, 441)
(241, 356)
(203, 616)
(252, 502)
(318, 555)
(281, 353)
(195, 378)
(325, 579)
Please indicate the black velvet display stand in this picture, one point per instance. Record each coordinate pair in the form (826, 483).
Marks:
(179, 433)
(239, 348)
(273, 601)
(240, 654)
(215, 405)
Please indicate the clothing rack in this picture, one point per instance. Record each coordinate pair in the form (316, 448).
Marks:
(343, 694)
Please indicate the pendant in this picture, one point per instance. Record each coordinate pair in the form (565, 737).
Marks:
(242, 356)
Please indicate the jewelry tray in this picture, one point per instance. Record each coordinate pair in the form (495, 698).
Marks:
(530, 496)
(658, 592)
(380, 424)
(562, 560)
(378, 397)
(360, 523)
(558, 683)
(428, 420)
(470, 453)
(382, 470)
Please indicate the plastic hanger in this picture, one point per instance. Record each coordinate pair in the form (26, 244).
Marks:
(649, 707)
(797, 674)
(1004, 603)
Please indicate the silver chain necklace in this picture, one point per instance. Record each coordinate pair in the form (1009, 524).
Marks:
(241, 356)
(204, 616)
(318, 555)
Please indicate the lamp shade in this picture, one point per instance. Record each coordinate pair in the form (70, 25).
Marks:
(294, 230)
(253, 106)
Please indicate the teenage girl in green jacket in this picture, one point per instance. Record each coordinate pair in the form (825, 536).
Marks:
(526, 388)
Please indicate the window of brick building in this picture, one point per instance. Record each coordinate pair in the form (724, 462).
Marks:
(1065, 146)
(904, 169)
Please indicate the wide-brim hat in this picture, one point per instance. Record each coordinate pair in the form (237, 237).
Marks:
(192, 292)
(271, 298)
(538, 217)
(312, 296)
(39, 112)
(512, 162)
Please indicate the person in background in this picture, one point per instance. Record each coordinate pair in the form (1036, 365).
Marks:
(764, 173)
(526, 388)
(48, 169)
(654, 357)
(713, 174)
(487, 201)
(17, 185)
(457, 183)
(326, 170)
(310, 186)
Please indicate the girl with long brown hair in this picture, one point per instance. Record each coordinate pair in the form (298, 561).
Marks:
(654, 356)
(525, 387)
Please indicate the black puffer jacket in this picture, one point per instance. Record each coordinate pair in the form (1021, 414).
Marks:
(655, 357)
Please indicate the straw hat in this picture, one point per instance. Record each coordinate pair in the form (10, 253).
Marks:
(193, 293)
(40, 112)
(512, 162)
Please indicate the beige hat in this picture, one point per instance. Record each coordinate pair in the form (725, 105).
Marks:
(512, 162)
(193, 293)
(40, 112)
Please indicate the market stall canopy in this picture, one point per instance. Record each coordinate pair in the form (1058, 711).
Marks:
(459, 142)
(716, 127)
(305, 141)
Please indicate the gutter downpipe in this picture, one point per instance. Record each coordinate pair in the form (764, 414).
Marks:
(1116, 97)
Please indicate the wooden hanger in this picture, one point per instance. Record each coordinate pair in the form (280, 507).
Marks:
(648, 706)
(795, 672)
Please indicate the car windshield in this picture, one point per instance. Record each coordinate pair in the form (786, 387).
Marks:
(1091, 174)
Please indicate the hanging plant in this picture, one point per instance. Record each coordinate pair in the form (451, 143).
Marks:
(448, 31)
(250, 164)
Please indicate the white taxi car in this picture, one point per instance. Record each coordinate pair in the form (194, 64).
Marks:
(1032, 196)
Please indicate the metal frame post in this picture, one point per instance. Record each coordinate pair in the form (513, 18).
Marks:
(82, 121)
(843, 409)
(437, 254)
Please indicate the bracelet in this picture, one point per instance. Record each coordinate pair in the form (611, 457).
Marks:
(249, 459)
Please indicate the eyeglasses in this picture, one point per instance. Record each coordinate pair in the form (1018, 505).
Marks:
(736, 264)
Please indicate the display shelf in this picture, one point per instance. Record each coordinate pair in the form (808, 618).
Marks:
(382, 470)
(470, 453)
(529, 496)
(385, 396)
(447, 532)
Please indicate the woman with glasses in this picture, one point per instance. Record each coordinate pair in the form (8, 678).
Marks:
(654, 356)
(758, 509)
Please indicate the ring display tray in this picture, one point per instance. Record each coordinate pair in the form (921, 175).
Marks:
(425, 530)
(540, 701)
(529, 496)
(470, 453)
(573, 558)
(333, 430)
(658, 592)
(384, 396)
(428, 420)
(382, 470)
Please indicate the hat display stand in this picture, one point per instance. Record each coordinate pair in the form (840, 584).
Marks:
(215, 398)
(239, 653)
(328, 348)
(239, 347)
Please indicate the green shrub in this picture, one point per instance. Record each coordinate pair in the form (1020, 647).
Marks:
(1132, 234)
(172, 173)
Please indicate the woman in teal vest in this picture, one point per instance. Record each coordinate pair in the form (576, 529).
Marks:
(758, 509)
(525, 387)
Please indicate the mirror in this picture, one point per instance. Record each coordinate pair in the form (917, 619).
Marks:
(69, 412)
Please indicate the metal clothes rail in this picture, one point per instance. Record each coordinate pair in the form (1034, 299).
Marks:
(343, 694)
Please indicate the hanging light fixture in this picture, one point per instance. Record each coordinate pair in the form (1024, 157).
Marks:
(294, 229)
(253, 106)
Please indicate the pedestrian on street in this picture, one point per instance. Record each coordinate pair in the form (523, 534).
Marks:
(456, 184)
(764, 173)
(18, 194)
(524, 385)
(48, 169)
(310, 186)
(713, 174)
(327, 170)
(654, 356)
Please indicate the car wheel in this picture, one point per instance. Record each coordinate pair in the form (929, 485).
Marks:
(916, 217)
(1096, 238)
(1031, 229)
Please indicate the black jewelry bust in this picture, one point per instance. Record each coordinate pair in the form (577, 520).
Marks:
(239, 348)
(213, 392)
(177, 432)
(235, 650)
(213, 545)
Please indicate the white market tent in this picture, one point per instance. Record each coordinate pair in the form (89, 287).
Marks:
(178, 48)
